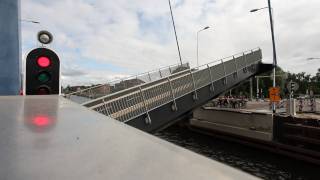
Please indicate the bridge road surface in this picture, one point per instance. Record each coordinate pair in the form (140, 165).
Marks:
(50, 137)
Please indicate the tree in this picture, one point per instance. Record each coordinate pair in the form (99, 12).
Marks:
(306, 83)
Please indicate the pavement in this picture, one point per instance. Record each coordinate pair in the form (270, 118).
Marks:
(263, 106)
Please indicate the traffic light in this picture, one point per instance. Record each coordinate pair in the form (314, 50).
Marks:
(42, 72)
(292, 86)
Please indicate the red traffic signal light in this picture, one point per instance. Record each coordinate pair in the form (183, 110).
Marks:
(43, 61)
(42, 72)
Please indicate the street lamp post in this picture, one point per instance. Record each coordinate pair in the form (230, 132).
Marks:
(198, 43)
(273, 46)
(272, 34)
(175, 32)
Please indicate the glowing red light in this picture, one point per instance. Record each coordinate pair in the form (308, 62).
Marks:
(43, 61)
(41, 121)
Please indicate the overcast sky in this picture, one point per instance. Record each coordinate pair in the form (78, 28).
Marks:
(98, 40)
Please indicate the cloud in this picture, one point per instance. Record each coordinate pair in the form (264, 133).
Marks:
(98, 39)
(69, 72)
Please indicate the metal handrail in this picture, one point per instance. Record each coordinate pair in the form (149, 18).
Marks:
(126, 78)
(164, 91)
(132, 88)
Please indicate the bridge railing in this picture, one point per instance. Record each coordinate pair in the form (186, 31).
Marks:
(88, 94)
(142, 99)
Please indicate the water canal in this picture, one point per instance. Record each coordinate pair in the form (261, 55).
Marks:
(259, 163)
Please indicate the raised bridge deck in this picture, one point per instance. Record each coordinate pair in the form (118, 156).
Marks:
(154, 105)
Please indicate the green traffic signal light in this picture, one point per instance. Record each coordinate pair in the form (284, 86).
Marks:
(43, 77)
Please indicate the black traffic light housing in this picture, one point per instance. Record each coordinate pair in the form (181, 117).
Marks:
(292, 86)
(42, 72)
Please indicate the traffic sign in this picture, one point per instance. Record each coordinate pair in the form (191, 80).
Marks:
(292, 86)
(274, 94)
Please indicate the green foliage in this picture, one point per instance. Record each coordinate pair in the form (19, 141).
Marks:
(306, 83)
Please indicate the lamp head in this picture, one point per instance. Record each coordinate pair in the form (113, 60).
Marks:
(45, 37)
(254, 10)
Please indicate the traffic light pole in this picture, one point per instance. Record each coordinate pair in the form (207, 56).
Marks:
(10, 59)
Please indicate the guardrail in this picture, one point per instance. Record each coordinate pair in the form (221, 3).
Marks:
(134, 102)
(307, 104)
(117, 85)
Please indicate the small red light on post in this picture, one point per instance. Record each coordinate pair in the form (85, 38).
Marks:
(43, 62)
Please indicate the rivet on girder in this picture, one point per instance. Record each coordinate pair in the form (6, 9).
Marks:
(245, 70)
(148, 119)
(174, 107)
(224, 81)
(235, 75)
(212, 88)
(195, 96)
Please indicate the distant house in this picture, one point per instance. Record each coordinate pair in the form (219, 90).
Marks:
(127, 84)
(180, 68)
(70, 89)
(103, 90)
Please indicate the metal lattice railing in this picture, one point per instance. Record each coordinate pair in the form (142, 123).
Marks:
(88, 94)
(140, 100)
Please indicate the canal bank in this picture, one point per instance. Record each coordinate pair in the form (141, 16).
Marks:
(293, 136)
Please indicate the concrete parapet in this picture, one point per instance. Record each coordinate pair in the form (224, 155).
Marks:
(252, 124)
